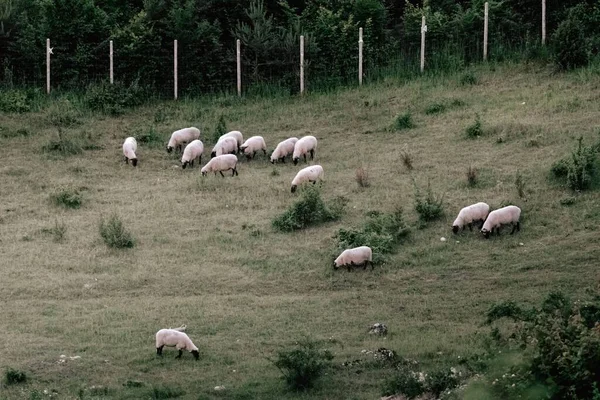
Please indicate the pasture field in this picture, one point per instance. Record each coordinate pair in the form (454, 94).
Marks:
(206, 254)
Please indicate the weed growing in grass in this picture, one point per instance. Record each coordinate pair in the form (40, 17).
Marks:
(441, 380)
(407, 159)
(67, 197)
(581, 167)
(404, 382)
(404, 121)
(150, 137)
(165, 392)
(362, 177)
(429, 208)
(472, 176)
(303, 365)
(435, 108)
(14, 376)
(568, 201)
(474, 131)
(7, 133)
(58, 231)
(309, 210)
(520, 184)
(220, 129)
(62, 113)
(275, 172)
(468, 78)
(560, 168)
(114, 234)
(64, 146)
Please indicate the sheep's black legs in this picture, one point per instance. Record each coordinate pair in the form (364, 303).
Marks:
(304, 157)
(180, 353)
(159, 351)
(312, 155)
(470, 227)
(516, 227)
(126, 160)
(221, 172)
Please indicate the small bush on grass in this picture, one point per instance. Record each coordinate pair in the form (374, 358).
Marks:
(570, 47)
(220, 129)
(430, 207)
(468, 78)
(403, 121)
(404, 382)
(560, 168)
(472, 176)
(14, 376)
(303, 365)
(113, 99)
(475, 130)
(362, 177)
(114, 234)
(578, 168)
(12, 100)
(407, 159)
(67, 197)
(309, 210)
(63, 146)
(435, 108)
(62, 113)
(440, 380)
(150, 137)
(58, 231)
(165, 392)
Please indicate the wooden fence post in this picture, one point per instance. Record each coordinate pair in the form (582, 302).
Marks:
(360, 55)
(239, 68)
(175, 68)
(423, 30)
(485, 32)
(543, 22)
(48, 52)
(302, 64)
(111, 63)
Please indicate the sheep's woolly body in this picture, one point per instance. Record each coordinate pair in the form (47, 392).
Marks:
(175, 338)
(362, 255)
(227, 145)
(185, 135)
(237, 135)
(502, 216)
(221, 163)
(304, 145)
(308, 174)
(283, 149)
(192, 151)
(129, 149)
(470, 214)
(252, 145)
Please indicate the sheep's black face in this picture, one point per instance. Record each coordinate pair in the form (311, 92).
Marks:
(272, 161)
(184, 164)
(334, 265)
(196, 354)
(169, 149)
(293, 188)
(203, 173)
(455, 229)
(485, 233)
(134, 162)
(213, 154)
(295, 161)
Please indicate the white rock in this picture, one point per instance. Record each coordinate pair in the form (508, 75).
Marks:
(443, 239)
(219, 388)
(521, 244)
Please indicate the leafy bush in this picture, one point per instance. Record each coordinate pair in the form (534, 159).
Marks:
(475, 130)
(220, 129)
(440, 380)
(62, 113)
(404, 121)
(560, 168)
(429, 208)
(570, 46)
(150, 137)
(405, 382)
(114, 234)
(381, 232)
(303, 365)
(14, 101)
(14, 376)
(113, 99)
(362, 177)
(468, 78)
(309, 210)
(581, 167)
(63, 146)
(67, 197)
(435, 108)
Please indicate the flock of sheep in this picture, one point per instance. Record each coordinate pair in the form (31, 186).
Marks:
(224, 158)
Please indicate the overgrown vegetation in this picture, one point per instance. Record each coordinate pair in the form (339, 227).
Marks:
(404, 121)
(58, 231)
(303, 365)
(474, 130)
(165, 392)
(472, 176)
(362, 177)
(220, 129)
(114, 233)
(150, 137)
(113, 99)
(64, 146)
(67, 197)
(14, 376)
(578, 169)
(407, 159)
(520, 184)
(429, 207)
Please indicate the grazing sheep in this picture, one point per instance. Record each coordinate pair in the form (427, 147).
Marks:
(308, 174)
(468, 215)
(306, 144)
(175, 338)
(192, 151)
(237, 135)
(362, 255)
(252, 145)
(185, 135)
(505, 215)
(129, 149)
(221, 163)
(227, 145)
(283, 149)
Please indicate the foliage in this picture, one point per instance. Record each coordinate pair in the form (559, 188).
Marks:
(435, 108)
(581, 167)
(67, 197)
(113, 99)
(468, 78)
(404, 121)
(570, 46)
(441, 380)
(303, 365)
(150, 137)
(63, 114)
(405, 382)
(14, 376)
(309, 210)
(114, 234)
(220, 129)
(429, 208)
(381, 232)
(475, 130)
(14, 101)
(560, 168)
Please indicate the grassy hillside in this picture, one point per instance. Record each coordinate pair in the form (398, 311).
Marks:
(207, 256)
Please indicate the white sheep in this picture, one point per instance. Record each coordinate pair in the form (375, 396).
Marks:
(227, 145)
(129, 149)
(283, 149)
(192, 151)
(221, 163)
(237, 135)
(308, 174)
(474, 213)
(497, 218)
(175, 338)
(252, 145)
(185, 135)
(306, 144)
(362, 255)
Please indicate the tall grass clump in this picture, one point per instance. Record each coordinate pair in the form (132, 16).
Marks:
(435, 108)
(64, 146)
(113, 99)
(362, 177)
(472, 176)
(165, 392)
(309, 210)
(14, 376)
(150, 137)
(67, 197)
(474, 130)
(58, 231)
(407, 159)
(429, 207)
(403, 121)
(520, 184)
(468, 78)
(303, 365)
(114, 234)
(62, 113)
(220, 129)
(381, 232)
(578, 169)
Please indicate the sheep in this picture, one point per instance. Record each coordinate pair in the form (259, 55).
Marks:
(221, 163)
(362, 255)
(306, 144)
(237, 135)
(185, 135)
(283, 149)
(468, 215)
(175, 338)
(227, 145)
(129, 149)
(505, 215)
(192, 151)
(308, 174)
(252, 145)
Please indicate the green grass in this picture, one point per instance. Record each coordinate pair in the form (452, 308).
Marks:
(246, 296)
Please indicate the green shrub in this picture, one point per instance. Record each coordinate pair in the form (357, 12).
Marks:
(468, 78)
(220, 128)
(560, 168)
(114, 234)
(440, 380)
(309, 210)
(303, 365)
(67, 197)
(581, 167)
(150, 137)
(429, 208)
(381, 232)
(62, 113)
(435, 108)
(404, 382)
(570, 47)
(63, 146)
(165, 392)
(404, 121)
(475, 130)
(13, 376)
(12, 100)
(113, 99)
